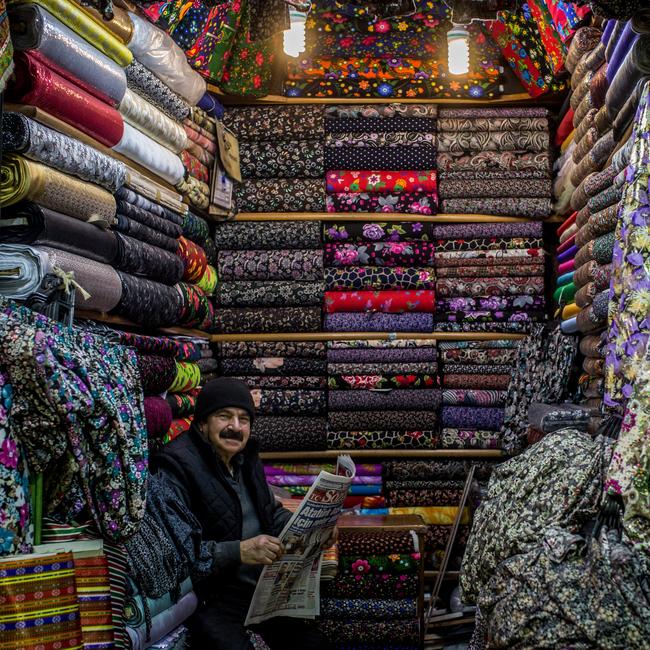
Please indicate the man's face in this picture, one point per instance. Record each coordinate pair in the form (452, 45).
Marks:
(228, 431)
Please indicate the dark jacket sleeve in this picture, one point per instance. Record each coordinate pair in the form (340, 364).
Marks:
(209, 557)
(280, 515)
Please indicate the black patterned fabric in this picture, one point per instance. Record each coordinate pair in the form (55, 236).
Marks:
(286, 293)
(284, 159)
(267, 235)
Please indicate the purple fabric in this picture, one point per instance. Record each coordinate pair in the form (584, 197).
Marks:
(485, 230)
(212, 106)
(377, 400)
(381, 355)
(470, 417)
(308, 479)
(607, 32)
(568, 254)
(378, 322)
(625, 42)
(281, 469)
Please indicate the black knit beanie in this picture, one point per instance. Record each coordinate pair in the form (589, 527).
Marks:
(221, 393)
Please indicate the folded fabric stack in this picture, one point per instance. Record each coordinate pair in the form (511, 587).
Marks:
(270, 277)
(379, 277)
(397, 142)
(281, 156)
(296, 479)
(608, 83)
(429, 488)
(475, 378)
(288, 380)
(494, 161)
(490, 277)
(373, 601)
(391, 51)
(382, 394)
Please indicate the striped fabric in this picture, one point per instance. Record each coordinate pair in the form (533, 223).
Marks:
(38, 603)
(118, 572)
(94, 595)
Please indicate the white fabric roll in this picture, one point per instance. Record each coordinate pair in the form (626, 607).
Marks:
(150, 120)
(140, 148)
(22, 269)
(157, 51)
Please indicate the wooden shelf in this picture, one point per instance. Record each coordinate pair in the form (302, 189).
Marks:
(366, 336)
(229, 100)
(109, 319)
(381, 216)
(385, 454)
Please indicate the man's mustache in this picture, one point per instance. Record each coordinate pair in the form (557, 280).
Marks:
(231, 434)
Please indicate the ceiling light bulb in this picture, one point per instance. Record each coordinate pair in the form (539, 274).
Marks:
(294, 37)
(458, 50)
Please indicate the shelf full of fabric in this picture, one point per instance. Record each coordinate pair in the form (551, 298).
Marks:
(593, 178)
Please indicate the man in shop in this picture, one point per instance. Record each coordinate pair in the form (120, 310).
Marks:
(216, 472)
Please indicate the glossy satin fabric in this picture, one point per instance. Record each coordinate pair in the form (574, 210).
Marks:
(39, 85)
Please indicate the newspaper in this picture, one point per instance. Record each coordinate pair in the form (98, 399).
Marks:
(291, 585)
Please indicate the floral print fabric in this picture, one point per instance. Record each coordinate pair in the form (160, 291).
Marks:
(404, 202)
(448, 287)
(99, 440)
(493, 160)
(381, 181)
(381, 254)
(267, 235)
(277, 433)
(628, 326)
(378, 322)
(383, 301)
(279, 319)
(530, 208)
(282, 293)
(381, 439)
(562, 473)
(276, 122)
(377, 231)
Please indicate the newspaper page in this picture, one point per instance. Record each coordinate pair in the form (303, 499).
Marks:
(291, 586)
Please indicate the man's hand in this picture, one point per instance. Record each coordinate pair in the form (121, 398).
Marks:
(262, 549)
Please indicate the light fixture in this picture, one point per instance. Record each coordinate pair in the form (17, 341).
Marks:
(294, 37)
(458, 50)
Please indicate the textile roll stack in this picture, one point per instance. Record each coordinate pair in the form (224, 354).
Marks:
(382, 394)
(270, 277)
(288, 380)
(388, 52)
(379, 277)
(494, 161)
(490, 277)
(373, 599)
(282, 157)
(385, 157)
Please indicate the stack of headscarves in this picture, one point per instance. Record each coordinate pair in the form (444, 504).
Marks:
(281, 156)
(490, 277)
(270, 277)
(475, 377)
(379, 276)
(381, 158)
(382, 394)
(396, 51)
(230, 44)
(373, 600)
(494, 161)
(533, 39)
(288, 380)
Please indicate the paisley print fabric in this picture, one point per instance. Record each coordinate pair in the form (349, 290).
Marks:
(279, 319)
(276, 122)
(293, 195)
(381, 111)
(498, 160)
(531, 286)
(300, 265)
(284, 159)
(468, 141)
(269, 294)
(473, 397)
(380, 138)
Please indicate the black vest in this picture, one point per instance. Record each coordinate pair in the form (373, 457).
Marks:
(213, 500)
